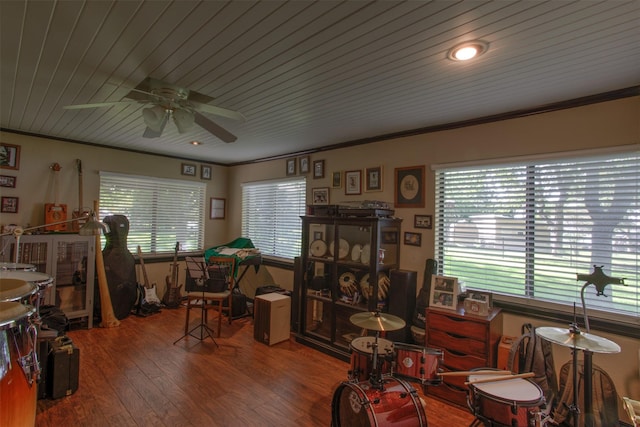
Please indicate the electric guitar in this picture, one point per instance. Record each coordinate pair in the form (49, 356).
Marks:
(150, 296)
(172, 296)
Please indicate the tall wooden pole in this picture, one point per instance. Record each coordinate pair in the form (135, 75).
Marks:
(109, 319)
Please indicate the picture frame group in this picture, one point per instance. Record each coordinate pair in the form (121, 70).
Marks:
(444, 292)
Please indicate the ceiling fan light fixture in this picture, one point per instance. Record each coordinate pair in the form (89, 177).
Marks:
(154, 117)
(183, 119)
(467, 50)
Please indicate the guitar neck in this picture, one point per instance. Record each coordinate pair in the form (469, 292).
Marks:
(144, 269)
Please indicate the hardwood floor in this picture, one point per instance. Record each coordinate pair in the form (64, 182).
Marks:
(133, 375)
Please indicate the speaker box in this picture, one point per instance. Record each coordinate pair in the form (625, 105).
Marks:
(402, 302)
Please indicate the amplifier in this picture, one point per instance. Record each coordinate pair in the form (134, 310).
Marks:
(272, 318)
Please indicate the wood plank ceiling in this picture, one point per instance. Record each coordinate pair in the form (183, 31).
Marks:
(305, 74)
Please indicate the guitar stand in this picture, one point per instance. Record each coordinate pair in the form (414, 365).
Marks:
(205, 330)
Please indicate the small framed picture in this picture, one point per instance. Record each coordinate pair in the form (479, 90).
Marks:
(318, 169)
(7, 181)
(336, 180)
(444, 292)
(217, 208)
(353, 182)
(304, 164)
(481, 296)
(291, 167)
(188, 169)
(9, 205)
(320, 196)
(412, 239)
(423, 221)
(9, 156)
(373, 179)
(205, 172)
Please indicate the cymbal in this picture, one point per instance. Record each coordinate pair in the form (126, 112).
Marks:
(376, 321)
(580, 341)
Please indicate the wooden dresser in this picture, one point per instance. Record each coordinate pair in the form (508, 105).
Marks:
(468, 341)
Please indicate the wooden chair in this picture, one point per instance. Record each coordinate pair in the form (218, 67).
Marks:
(222, 268)
(210, 287)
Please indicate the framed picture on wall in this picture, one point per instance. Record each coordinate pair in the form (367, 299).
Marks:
(336, 180)
(353, 182)
(409, 187)
(9, 156)
(423, 221)
(7, 181)
(304, 164)
(291, 167)
(205, 172)
(217, 208)
(373, 179)
(318, 169)
(9, 205)
(188, 169)
(320, 196)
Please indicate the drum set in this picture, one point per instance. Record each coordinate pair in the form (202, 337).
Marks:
(22, 290)
(377, 392)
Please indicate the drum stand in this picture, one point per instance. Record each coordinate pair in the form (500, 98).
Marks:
(376, 377)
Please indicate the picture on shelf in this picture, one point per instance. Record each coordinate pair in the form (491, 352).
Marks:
(444, 292)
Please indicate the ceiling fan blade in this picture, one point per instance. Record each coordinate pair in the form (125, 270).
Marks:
(97, 105)
(218, 111)
(214, 128)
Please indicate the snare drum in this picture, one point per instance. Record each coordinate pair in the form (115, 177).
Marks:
(16, 290)
(17, 266)
(417, 363)
(396, 403)
(19, 366)
(513, 402)
(362, 357)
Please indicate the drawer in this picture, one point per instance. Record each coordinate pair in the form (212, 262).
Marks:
(455, 342)
(462, 362)
(449, 392)
(461, 326)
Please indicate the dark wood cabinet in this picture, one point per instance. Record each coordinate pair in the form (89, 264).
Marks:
(344, 269)
(467, 341)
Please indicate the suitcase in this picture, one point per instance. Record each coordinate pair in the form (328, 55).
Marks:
(63, 366)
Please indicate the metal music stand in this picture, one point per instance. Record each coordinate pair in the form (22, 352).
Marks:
(196, 286)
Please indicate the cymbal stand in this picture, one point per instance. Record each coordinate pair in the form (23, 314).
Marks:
(376, 378)
(573, 408)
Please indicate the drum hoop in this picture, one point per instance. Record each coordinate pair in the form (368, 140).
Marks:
(23, 310)
(418, 349)
(25, 289)
(383, 344)
(27, 276)
(511, 402)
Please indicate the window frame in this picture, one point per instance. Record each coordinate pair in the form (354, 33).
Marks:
(548, 309)
(285, 239)
(160, 211)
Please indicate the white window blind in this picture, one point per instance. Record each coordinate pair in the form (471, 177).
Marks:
(160, 211)
(527, 229)
(271, 213)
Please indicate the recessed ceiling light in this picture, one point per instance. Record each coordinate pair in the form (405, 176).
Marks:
(196, 142)
(467, 50)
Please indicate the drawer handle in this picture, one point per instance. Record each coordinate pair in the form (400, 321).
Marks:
(456, 319)
(456, 353)
(455, 336)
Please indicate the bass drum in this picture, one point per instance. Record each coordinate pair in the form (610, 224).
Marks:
(361, 404)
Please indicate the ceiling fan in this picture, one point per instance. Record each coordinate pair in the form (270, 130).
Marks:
(167, 100)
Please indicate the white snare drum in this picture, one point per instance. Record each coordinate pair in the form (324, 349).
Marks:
(17, 266)
(19, 366)
(513, 402)
(16, 290)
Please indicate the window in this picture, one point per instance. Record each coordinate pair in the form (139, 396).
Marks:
(160, 211)
(526, 229)
(271, 213)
